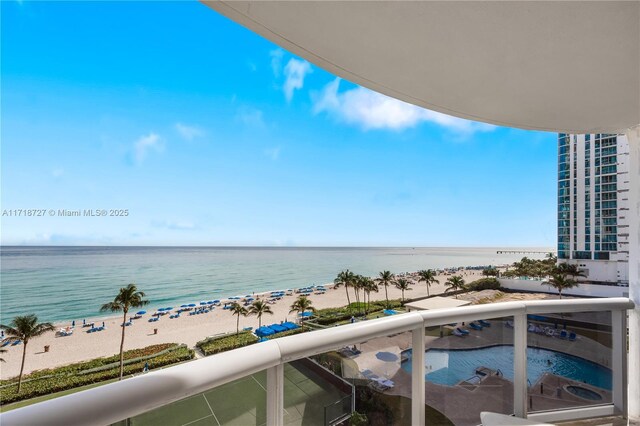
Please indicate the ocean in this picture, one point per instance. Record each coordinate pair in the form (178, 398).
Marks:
(65, 283)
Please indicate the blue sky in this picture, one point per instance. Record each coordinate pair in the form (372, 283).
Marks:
(210, 135)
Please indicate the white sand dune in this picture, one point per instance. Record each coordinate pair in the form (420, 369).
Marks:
(187, 329)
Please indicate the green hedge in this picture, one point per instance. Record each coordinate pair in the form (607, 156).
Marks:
(484, 284)
(214, 345)
(72, 376)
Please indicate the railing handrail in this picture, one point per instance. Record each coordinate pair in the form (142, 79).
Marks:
(113, 402)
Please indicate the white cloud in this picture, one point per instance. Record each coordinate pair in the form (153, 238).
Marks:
(188, 132)
(372, 110)
(276, 61)
(273, 153)
(250, 116)
(294, 73)
(144, 144)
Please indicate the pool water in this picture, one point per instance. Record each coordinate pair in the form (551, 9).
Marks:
(449, 367)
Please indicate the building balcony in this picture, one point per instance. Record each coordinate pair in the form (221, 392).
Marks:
(549, 361)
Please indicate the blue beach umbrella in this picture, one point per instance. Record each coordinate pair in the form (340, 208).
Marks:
(211, 302)
(203, 303)
(169, 308)
(192, 305)
(184, 306)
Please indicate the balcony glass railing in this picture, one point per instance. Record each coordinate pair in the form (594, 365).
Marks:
(408, 367)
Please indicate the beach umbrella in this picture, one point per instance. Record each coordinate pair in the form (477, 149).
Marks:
(387, 356)
(192, 305)
(211, 302)
(184, 306)
(169, 308)
(141, 312)
(203, 303)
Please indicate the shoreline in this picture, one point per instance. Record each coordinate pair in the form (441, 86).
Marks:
(187, 329)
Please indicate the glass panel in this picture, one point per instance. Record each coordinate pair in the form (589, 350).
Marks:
(373, 372)
(569, 360)
(314, 394)
(241, 402)
(470, 369)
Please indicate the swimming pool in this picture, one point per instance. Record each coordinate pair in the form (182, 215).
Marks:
(449, 367)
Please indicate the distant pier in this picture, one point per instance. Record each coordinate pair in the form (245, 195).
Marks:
(524, 252)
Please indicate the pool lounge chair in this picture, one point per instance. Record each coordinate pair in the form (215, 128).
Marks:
(475, 326)
(508, 324)
(484, 323)
(563, 334)
(458, 333)
(6, 343)
(463, 331)
(572, 336)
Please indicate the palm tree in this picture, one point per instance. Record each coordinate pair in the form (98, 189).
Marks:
(369, 286)
(429, 277)
(301, 305)
(569, 269)
(454, 283)
(128, 297)
(345, 278)
(386, 278)
(239, 310)
(403, 285)
(25, 328)
(260, 308)
(560, 282)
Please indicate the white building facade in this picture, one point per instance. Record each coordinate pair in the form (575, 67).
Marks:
(593, 206)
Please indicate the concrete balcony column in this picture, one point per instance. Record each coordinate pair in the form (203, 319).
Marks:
(633, 136)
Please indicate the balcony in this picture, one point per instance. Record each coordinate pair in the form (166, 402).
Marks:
(556, 360)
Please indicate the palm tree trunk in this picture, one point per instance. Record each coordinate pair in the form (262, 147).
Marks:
(346, 290)
(428, 288)
(124, 320)
(259, 320)
(238, 325)
(386, 295)
(24, 356)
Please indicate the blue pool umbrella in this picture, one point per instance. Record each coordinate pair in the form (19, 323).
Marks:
(387, 356)
(306, 314)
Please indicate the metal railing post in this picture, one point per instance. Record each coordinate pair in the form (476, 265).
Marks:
(417, 377)
(619, 359)
(520, 365)
(275, 395)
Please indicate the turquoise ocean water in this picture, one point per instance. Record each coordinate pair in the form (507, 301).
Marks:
(64, 283)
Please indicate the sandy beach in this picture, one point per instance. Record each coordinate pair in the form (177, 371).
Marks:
(187, 329)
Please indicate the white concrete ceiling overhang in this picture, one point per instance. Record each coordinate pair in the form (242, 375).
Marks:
(571, 66)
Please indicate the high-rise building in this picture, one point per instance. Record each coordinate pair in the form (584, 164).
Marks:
(593, 206)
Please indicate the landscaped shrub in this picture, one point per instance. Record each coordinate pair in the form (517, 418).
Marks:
(214, 345)
(44, 382)
(484, 284)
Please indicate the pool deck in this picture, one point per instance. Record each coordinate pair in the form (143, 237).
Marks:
(463, 403)
(499, 334)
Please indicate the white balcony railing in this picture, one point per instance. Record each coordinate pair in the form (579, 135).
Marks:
(117, 401)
